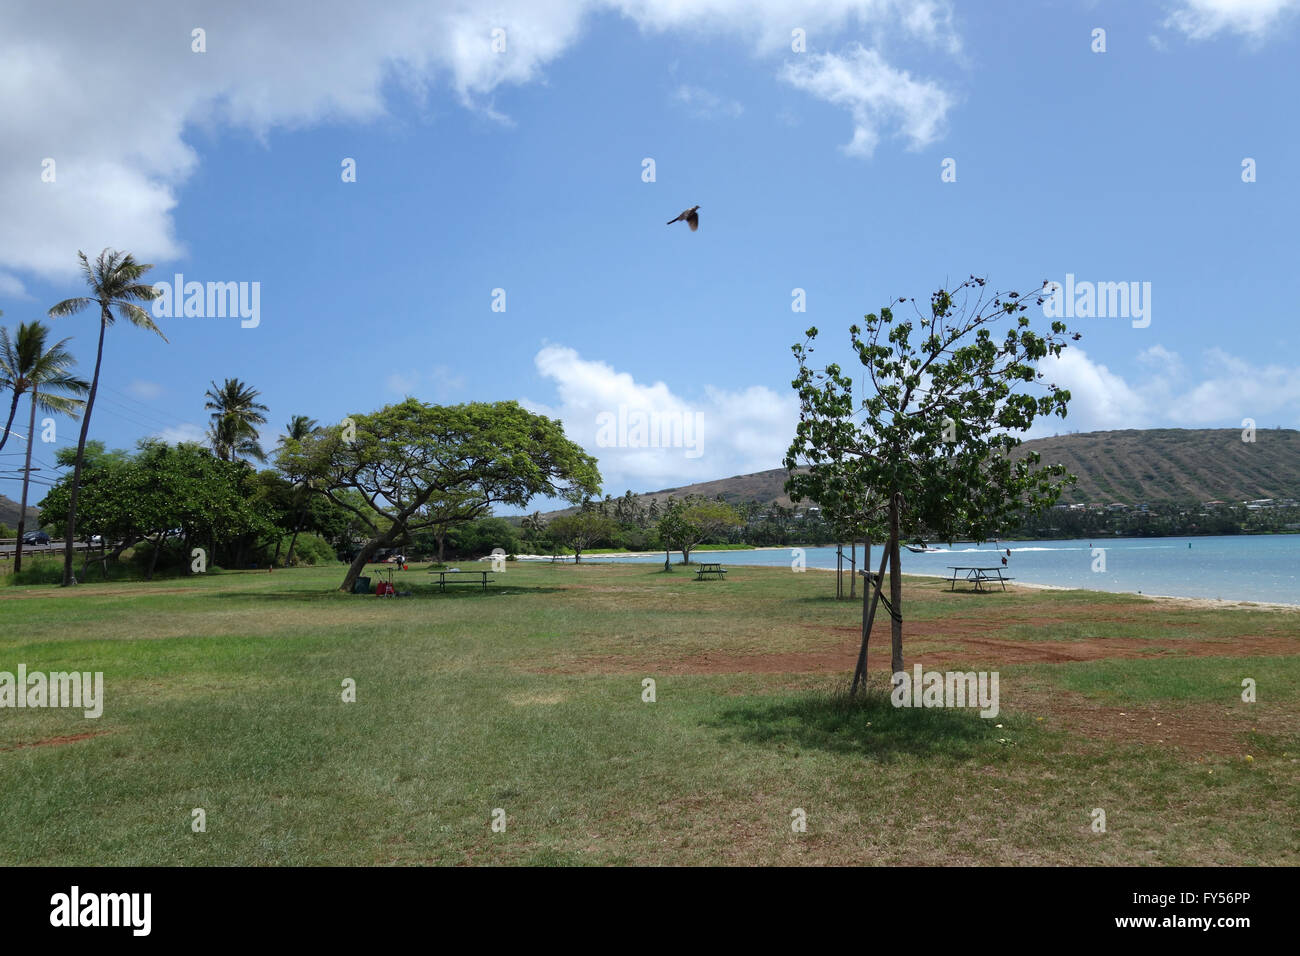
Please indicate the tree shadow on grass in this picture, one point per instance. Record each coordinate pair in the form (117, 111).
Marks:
(418, 591)
(868, 726)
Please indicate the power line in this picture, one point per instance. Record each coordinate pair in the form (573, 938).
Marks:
(144, 409)
(123, 409)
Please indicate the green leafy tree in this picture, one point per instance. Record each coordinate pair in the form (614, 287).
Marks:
(692, 521)
(114, 280)
(930, 443)
(300, 427)
(114, 499)
(580, 531)
(181, 493)
(28, 365)
(416, 466)
(474, 539)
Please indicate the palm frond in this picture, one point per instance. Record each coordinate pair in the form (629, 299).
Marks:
(60, 404)
(140, 318)
(69, 306)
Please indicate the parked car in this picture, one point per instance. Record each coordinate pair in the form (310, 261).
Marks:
(36, 537)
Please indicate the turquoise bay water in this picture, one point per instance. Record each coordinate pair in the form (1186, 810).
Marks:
(1235, 568)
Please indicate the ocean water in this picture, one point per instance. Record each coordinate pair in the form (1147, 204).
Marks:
(1233, 568)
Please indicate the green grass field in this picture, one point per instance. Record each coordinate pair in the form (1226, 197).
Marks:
(225, 693)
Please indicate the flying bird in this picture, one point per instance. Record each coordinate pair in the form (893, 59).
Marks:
(690, 217)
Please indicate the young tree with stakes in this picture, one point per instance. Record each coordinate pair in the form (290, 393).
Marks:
(930, 446)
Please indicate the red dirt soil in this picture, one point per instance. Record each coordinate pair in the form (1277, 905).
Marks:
(57, 741)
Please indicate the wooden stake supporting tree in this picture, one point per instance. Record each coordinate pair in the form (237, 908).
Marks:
(929, 447)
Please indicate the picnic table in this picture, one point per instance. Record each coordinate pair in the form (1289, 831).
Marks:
(457, 576)
(979, 576)
(713, 568)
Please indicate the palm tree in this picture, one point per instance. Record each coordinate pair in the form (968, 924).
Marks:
(300, 427)
(27, 365)
(115, 287)
(236, 413)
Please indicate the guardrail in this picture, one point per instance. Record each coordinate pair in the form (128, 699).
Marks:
(9, 547)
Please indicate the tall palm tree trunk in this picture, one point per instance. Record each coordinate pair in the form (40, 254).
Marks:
(27, 474)
(68, 536)
(13, 408)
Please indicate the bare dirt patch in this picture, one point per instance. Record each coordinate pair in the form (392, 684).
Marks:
(1195, 728)
(57, 741)
(937, 646)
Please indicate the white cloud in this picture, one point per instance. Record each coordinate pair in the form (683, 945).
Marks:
(112, 94)
(875, 94)
(183, 432)
(1099, 398)
(11, 287)
(1238, 389)
(1202, 19)
(738, 432)
(439, 382)
(767, 24)
(145, 390)
(1226, 390)
(403, 383)
(705, 104)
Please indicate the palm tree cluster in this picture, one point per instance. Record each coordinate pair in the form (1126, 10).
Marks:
(29, 365)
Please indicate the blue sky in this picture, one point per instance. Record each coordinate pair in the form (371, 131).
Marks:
(522, 171)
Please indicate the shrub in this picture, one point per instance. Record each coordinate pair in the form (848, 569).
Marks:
(311, 549)
(37, 571)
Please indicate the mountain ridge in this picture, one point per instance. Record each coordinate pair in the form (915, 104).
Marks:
(1125, 466)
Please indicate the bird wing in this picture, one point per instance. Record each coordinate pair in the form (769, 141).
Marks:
(693, 220)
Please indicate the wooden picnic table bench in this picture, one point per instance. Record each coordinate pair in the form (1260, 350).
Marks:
(979, 576)
(456, 576)
(713, 568)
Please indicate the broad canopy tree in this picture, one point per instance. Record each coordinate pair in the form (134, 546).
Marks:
(580, 531)
(928, 448)
(418, 466)
(691, 521)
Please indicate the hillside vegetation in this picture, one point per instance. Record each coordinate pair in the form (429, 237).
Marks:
(1129, 467)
